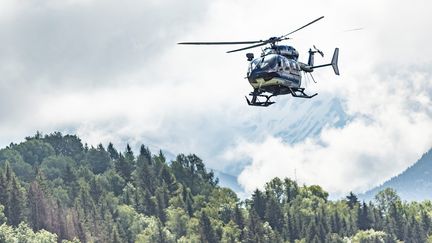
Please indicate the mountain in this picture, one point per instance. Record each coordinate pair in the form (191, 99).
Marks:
(315, 116)
(414, 184)
(293, 121)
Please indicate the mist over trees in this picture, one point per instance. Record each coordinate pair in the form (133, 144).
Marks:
(54, 188)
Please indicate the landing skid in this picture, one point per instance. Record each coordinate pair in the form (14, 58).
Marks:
(256, 102)
(295, 92)
(299, 93)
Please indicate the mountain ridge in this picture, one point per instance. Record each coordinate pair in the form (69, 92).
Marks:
(413, 184)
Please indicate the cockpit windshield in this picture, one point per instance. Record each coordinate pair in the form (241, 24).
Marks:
(268, 62)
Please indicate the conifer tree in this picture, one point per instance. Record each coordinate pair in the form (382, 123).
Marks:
(426, 222)
(114, 155)
(14, 206)
(238, 218)
(363, 221)
(124, 167)
(273, 214)
(254, 228)
(207, 233)
(37, 207)
(352, 200)
(259, 203)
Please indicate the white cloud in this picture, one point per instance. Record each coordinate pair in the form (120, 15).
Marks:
(112, 72)
(390, 130)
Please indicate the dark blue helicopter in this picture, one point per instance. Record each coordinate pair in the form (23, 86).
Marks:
(277, 71)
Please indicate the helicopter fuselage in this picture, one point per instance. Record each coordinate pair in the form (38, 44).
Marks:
(276, 71)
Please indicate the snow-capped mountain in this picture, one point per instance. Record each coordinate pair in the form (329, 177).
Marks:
(316, 115)
(292, 120)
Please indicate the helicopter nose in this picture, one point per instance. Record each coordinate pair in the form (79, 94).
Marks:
(262, 74)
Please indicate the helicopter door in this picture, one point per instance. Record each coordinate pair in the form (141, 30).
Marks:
(295, 70)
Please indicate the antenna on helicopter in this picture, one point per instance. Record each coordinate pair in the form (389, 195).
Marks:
(319, 51)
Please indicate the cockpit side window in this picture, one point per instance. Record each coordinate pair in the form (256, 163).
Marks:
(287, 65)
(280, 63)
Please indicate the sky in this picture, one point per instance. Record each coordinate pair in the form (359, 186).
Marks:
(111, 71)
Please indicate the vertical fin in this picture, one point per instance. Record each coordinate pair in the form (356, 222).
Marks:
(334, 61)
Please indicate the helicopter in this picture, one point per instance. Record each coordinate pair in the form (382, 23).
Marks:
(277, 71)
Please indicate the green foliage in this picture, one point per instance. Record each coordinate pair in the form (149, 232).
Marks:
(3, 218)
(55, 189)
(190, 171)
(34, 150)
(231, 233)
(67, 145)
(371, 236)
(22, 169)
(177, 221)
(57, 166)
(24, 234)
(155, 232)
(98, 159)
(207, 233)
(352, 200)
(386, 198)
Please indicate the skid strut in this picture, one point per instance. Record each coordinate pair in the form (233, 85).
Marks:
(256, 102)
(295, 92)
(299, 93)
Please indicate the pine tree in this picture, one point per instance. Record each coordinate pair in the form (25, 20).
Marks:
(207, 233)
(396, 219)
(16, 203)
(162, 201)
(61, 228)
(149, 204)
(114, 155)
(363, 221)
(336, 225)
(124, 167)
(144, 177)
(273, 214)
(259, 203)
(3, 186)
(291, 190)
(239, 220)
(37, 207)
(426, 222)
(115, 236)
(167, 178)
(144, 156)
(312, 230)
(254, 228)
(352, 200)
(14, 196)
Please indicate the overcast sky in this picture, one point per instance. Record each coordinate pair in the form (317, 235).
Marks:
(111, 71)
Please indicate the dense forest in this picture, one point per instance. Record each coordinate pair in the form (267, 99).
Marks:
(54, 188)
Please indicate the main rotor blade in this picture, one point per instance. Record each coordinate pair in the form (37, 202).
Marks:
(301, 27)
(220, 43)
(248, 47)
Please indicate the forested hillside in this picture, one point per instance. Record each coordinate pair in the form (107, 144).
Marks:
(54, 188)
(412, 184)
